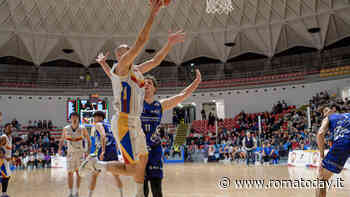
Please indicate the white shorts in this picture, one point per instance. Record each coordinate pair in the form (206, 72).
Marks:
(74, 161)
(131, 140)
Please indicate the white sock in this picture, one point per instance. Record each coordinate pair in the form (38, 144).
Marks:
(70, 191)
(91, 192)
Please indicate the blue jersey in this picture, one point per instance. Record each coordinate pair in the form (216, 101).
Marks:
(339, 126)
(110, 141)
(111, 153)
(151, 118)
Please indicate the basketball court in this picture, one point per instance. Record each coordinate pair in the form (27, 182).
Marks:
(181, 180)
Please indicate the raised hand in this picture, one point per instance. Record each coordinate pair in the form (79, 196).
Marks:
(176, 37)
(198, 76)
(101, 58)
(155, 6)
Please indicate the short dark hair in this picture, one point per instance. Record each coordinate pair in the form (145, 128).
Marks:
(330, 106)
(73, 114)
(154, 80)
(100, 114)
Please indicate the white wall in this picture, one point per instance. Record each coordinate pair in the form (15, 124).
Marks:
(55, 109)
(261, 101)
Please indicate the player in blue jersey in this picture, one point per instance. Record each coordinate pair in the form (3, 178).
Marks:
(339, 126)
(151, 118)
(106, 149)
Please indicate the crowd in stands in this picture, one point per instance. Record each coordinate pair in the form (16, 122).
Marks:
(34, 149)
(33, 145)
(284, 128)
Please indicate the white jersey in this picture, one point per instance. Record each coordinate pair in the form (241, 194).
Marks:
(75, 139)
(8, 147)
(128, 92)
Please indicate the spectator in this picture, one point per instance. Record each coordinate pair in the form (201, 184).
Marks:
(249, 144)
(50, 125)
(204, 116)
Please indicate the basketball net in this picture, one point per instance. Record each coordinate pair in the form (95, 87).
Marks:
(219, 6)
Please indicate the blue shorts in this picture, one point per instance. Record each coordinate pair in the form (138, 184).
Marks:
(154, 168)
(111, 154)
(337, 156)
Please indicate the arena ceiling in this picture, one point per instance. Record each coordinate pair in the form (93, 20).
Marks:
(38, 30)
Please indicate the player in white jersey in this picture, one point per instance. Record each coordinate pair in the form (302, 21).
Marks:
(128, 90)
(129, 101)
(74, 135)
(6, 144)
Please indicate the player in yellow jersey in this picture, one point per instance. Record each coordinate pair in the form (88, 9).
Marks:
(128, 89)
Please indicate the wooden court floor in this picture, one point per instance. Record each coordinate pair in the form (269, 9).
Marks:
(181, 180)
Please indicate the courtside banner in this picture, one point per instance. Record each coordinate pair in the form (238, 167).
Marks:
(58, 162)
(308, 158)
(298, 158)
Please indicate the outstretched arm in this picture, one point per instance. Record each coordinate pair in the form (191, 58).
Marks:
(102, 132)
(173, 38)
(128, 58)
(101, 59)
(175, 100)
(320, 136)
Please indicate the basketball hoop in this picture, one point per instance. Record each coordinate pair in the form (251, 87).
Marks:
(219, 6)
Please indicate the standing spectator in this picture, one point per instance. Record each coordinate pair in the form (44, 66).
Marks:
(249, 144)
(44, 124)
(50, 125)
(204, 116)
(40, 124)
(35, 124)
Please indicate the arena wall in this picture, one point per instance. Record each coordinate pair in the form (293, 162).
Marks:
(252, 100)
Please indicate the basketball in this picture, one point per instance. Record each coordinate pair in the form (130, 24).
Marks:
(164, 2)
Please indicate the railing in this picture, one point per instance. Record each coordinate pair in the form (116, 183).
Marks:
(58, 77)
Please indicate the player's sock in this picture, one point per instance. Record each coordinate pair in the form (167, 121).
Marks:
(70, 191)
(90, 193)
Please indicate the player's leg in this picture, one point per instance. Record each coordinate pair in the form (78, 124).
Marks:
(111, 155)
(119, 185)
(4, 185)
(324, 175)
(156, 187)
(93, 181)
(77, 183)
(333, 162)
(141, 152)
(71, 169)
(70, 183)
(139, 177)
(146, 187)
